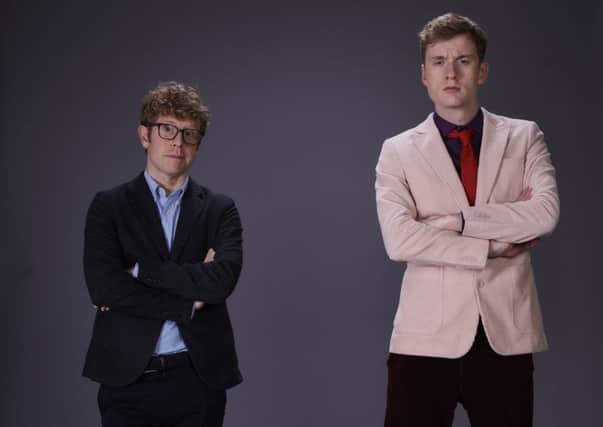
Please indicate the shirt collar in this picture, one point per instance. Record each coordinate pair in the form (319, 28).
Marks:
(475, 124)
(158, 191)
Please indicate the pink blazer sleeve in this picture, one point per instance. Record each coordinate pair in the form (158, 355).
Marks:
(407, 239)
(519, 222)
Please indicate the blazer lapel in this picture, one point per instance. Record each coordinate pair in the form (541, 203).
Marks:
(192, 205)
(429, 142)
(145, 209)
(494, 143)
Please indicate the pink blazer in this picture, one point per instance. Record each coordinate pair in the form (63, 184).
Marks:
(449, 280)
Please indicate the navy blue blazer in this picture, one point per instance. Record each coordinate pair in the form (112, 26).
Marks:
(123, 228)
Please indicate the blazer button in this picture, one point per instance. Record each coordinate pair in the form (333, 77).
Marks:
(480, 283)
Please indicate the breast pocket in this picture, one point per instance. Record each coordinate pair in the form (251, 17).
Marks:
(420, 308)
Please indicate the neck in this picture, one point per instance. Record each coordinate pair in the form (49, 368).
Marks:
(168, 183)
(457, 116)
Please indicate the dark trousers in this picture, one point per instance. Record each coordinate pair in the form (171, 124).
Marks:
(169, 393)
(495, 390)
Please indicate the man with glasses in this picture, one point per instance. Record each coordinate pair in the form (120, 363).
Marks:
(161, 256)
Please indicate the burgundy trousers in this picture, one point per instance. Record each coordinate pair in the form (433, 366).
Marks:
(495, 390)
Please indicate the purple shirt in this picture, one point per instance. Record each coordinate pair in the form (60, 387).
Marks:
(454, 145)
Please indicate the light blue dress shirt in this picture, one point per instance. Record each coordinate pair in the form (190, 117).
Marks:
(170, 340)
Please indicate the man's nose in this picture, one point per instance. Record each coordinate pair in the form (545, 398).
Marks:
(178, 140)
(450, 70)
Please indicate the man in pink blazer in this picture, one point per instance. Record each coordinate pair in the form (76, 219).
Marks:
(461, 199)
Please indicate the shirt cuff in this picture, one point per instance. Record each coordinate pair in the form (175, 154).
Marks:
(135, 270)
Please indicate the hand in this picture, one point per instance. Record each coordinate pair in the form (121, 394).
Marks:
(510, 250)
(526, 194)
(516, 249)
(102, 308)
(209, 257)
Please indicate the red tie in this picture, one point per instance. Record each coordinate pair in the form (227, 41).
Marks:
(468, 163)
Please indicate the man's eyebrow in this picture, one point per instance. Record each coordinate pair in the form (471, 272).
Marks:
(465, 55)
(461, 56)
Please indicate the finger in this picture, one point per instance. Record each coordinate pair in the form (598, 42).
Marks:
(524, 195)
(516, 251)
(210, 255)
(532, 243)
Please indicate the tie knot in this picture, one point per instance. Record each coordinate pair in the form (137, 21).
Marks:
(464, 135)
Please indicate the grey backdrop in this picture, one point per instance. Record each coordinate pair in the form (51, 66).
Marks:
(302, 95)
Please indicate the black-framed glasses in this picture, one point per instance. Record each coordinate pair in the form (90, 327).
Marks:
(170, 132)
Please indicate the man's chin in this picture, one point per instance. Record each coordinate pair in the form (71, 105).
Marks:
(453, 104)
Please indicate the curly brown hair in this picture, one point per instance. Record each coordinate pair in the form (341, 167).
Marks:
(177, 100)
(450, 25)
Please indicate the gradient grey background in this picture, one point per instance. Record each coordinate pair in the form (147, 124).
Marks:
(302, 94)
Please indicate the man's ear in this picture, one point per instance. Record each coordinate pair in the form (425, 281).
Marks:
(143, 136)
(484, 69)
(423, 74)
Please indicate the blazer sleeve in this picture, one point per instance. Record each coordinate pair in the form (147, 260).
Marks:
(407, 239)
(517, 222)
(109, 283)
(210, 282)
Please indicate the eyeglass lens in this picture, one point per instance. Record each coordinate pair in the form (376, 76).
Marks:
(190, 136)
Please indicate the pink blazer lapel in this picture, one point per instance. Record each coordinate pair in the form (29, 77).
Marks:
(429, 143)
(494, 143)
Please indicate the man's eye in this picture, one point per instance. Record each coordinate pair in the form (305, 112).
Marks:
(168, 128)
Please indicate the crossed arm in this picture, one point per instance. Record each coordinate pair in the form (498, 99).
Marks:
(492, 230)
(496, 248)
(163, 290)
(197, 305)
